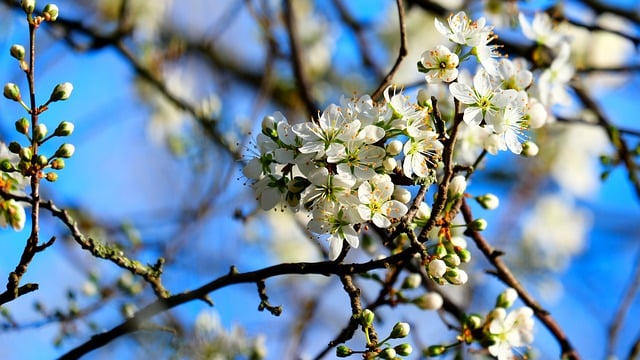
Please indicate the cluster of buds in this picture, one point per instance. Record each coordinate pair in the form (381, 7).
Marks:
(49, 12)
(380, 349)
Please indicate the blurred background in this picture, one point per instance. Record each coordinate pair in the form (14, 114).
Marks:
(167, 95)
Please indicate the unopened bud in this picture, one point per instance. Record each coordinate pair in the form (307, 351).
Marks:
(403, 349)
(65, 128)
(57, 164)
(424, 211)
(6, 166)
(473, 321)
(61, 92)
(14, 147)
(65, 151)
(25, 153)
(457, 186)
(50, 12)
(51, 176)
(530, 149)
(456, 276)
(388, 354)
(435, 350)
(40, 132)
(28, 6)
(437, 268)
(22, 126)
(12, 92)
(463, 254)
(452, 260)
(42, 160)
(366, 317)
(479, 224)
(17, 51)
(401, 194)
(394, 147)
(488, 201)
(343, 351)
(412, 281)
(506, 298)
(389, 164)
(429, 301)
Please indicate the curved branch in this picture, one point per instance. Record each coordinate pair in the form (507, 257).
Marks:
(402, 53)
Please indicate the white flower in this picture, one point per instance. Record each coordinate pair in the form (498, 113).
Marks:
(509, 331)
(337, 221)
(419, 152)
(552, 83)
(510, 128)
(327, 188)
(326, 135)
(441, 63)
(358, 158)
(270, 190)
(461, 29)
(540, 30)
(484, 102)
(514, 74)
(376, 204)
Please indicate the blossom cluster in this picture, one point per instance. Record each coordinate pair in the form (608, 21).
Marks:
(355, 163)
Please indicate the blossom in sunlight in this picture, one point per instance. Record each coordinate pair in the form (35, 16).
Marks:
(461, 29)
(510, 331)
(420, 151)
(484, 102)
(326, 135)
(441, 63)
(337, 221)
(552, 84)
(376, 204)
(326, 188)
(540, 30)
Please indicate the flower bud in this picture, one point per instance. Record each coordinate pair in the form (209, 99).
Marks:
(435, 350)
(530, 149)
(457, 186)
(61, 92)
(429, 301)
(423, 98)
(366, 317)
(17, 51)
(459, 242)
(488, 201)
(452, 260)
(42, 160)
(437, 268)
(403, 349)
(463, 254)
(12, 92)
(57, 164)
(40, 132)
(412, 281)
(478, 224)
(343, 351)
(424, 211)
(456, 276)
(388, 354)
(16, 214)
(6, 166)
(65, 128)
(394, 147)
(28, 6)
(50, 12)
(506, 298)
(401, 194)
(389, 164)
(25, 153)
(473, 321)
(14, 147)
(51, 176)
(65, 151)
(22, 125)
(440, 251)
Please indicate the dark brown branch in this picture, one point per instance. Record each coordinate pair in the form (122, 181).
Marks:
(164, 304)
(402, 53)
(506, 276)
(624, 307)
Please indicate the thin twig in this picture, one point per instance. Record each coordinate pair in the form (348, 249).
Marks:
(624, 307)
(402, 53)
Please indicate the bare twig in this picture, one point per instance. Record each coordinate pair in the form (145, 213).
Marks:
(624, 307)
(402, 53)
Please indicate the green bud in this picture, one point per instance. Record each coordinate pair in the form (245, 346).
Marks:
(435, 350)
(14, 147)
(57, 164)
(429, 301)
(440, 251)
(17, 51)
(506, 298)
(50, 12)
(65, 128)
(530, 149)
(403, 349)
(479, 224)
(388, 353)
(473, 321)
(61, 92)
(22, 125)
(28, 6)
(25, 153)
(51, 176)
(42, 160)
(400, 330)
(456, 276)
(463, 254)
(412, 281)
(65, 151)
(452, 260)
(12, 92)
(40, 132)
(6, 166)
(343, 351)
(366, 317)
(488, 201)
